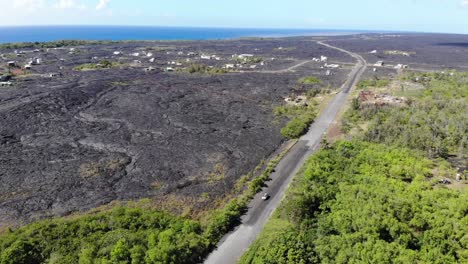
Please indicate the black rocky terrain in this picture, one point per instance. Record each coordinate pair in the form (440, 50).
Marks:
(80, 139)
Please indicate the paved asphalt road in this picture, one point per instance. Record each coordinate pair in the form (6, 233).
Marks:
(234, 244)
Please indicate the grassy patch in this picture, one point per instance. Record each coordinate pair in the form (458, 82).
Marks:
(105, 64)
(376, 83)
(309, 80)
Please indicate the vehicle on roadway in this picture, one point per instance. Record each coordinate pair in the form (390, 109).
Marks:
(265, 196)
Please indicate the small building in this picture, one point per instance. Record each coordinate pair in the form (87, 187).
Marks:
(135, 54)
(373, 52)
(149, 54)
(328, 73)
(169, 69)
(229, 66)
(6, 83)
(117, 53)
(152, 60)
(243, 56)
(11, 63)
(27, 66)
(379, 64)
(253, 66)
(180, 53)
(35, 61)
(205, 57)
(332, 66)
(323, 58)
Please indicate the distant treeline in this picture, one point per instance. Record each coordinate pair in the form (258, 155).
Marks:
(53, 44)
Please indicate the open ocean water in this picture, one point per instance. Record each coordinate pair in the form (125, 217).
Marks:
(50, 33)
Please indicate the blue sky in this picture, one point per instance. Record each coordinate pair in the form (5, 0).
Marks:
(407, 15)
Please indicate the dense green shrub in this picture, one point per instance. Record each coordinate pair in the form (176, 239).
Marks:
(301, 118)
(358, 202)
(123, 235)
(204, 69)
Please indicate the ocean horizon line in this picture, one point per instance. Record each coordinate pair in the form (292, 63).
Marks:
(45, 33)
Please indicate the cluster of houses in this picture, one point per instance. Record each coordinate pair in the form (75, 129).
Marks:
(382, 64)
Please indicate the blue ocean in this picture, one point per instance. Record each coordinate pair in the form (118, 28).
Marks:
(50, 33)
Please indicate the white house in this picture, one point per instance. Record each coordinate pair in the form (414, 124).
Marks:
(35, 61)
(135, 54)
(229, 66)
(243, 56)
(332, 66)
(169, 69)
(149, 54)
(117, 52)
(379, 64)
(323, 59)
(152, 60)
(205, 57)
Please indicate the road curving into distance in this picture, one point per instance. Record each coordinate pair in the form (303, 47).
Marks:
(234, 244)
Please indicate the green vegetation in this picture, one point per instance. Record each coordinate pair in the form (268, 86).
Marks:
(375, 199)
(52, 44)
(376, 82)
(123, 235)
(130, 234)
(358, 202)
(104, 64)
(309, 80)
(435, 121)
(204, 69)
(249, 60)
(302, 116)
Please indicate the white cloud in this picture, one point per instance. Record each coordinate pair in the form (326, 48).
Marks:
(102, 4)
(27, 4)
(464, 3)
(69, 4)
